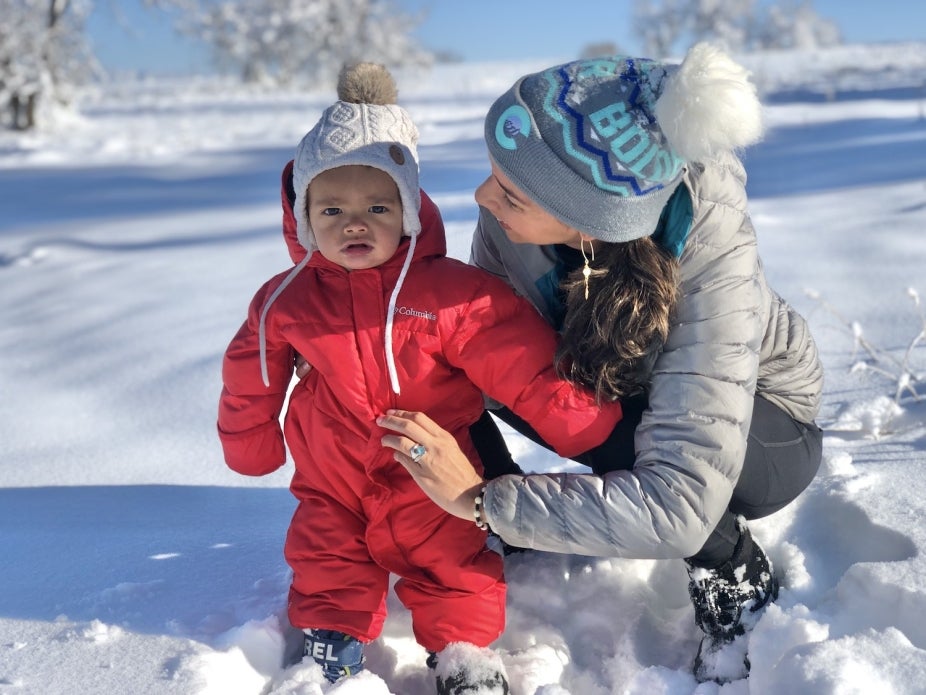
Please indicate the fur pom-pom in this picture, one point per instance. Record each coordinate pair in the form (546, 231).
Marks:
(367, 83)
(709, 105)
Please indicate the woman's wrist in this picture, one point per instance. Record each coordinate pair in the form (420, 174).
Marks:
(479, 509)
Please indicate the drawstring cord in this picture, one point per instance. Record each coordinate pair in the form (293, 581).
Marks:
(261, 328)
(390, 312)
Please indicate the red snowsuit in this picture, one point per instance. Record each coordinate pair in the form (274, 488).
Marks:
(458, 332)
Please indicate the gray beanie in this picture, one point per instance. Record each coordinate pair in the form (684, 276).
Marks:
(602, 144)
(363, 127)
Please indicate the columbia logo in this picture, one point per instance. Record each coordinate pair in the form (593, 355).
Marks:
(408, 311)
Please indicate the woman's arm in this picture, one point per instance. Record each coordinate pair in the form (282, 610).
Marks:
(565, 513)
(555, 503)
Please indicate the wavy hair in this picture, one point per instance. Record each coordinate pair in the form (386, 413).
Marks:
(610, 340)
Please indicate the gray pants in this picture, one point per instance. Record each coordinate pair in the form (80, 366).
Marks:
(782, 457)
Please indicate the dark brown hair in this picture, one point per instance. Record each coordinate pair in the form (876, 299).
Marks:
(610, 340)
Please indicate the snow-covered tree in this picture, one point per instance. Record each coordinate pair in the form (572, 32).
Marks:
(725, 21)
(660, 25)
(668, 26)
(796, 25)
(599, 48)
(43, 53)
(306, 41)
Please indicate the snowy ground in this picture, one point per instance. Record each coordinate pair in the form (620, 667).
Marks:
(132, 236)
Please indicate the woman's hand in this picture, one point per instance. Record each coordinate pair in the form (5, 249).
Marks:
(442, 471)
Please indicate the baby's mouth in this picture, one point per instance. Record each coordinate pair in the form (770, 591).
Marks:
(357, 246)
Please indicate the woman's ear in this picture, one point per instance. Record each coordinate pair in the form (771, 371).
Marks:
(590, 241)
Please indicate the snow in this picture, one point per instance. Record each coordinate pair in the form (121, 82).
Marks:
(133, 233)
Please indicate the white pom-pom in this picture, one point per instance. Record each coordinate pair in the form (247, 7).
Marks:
(709, 105)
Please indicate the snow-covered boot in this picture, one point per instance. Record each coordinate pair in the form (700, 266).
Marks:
(338, 654)
(465, 669)
(728, 601)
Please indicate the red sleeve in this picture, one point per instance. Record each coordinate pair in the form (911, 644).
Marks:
(249, 412)
(507, 349)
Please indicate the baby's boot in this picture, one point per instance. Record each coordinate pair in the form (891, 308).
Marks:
(338, 654)
(465, 669)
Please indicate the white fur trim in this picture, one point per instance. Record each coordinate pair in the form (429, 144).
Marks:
(709, 106)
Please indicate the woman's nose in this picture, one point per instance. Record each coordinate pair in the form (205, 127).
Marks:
(483, 194)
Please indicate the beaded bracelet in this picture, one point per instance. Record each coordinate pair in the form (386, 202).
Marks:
(477, 511)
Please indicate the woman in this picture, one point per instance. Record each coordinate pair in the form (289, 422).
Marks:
(617, 206)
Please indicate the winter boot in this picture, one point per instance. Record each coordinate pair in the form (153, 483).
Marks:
(728, 601)
(465, 669)
(338, 654)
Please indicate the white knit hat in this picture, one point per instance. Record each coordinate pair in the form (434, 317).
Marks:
(365, 127)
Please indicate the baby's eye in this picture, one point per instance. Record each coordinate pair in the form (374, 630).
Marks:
(331, 211)
(378, 209)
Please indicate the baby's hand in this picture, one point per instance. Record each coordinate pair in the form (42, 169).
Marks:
(302, 367)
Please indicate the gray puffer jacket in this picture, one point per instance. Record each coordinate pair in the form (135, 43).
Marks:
(732, 337)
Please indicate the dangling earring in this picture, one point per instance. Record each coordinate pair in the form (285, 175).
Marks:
(586, 271)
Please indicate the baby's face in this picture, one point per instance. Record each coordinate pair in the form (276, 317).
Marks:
(356, 214)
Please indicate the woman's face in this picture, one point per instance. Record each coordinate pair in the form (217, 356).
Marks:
(523, 220)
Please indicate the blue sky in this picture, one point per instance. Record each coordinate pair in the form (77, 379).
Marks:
(140, 39)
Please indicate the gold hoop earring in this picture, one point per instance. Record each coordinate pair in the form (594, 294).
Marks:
(586, 271)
